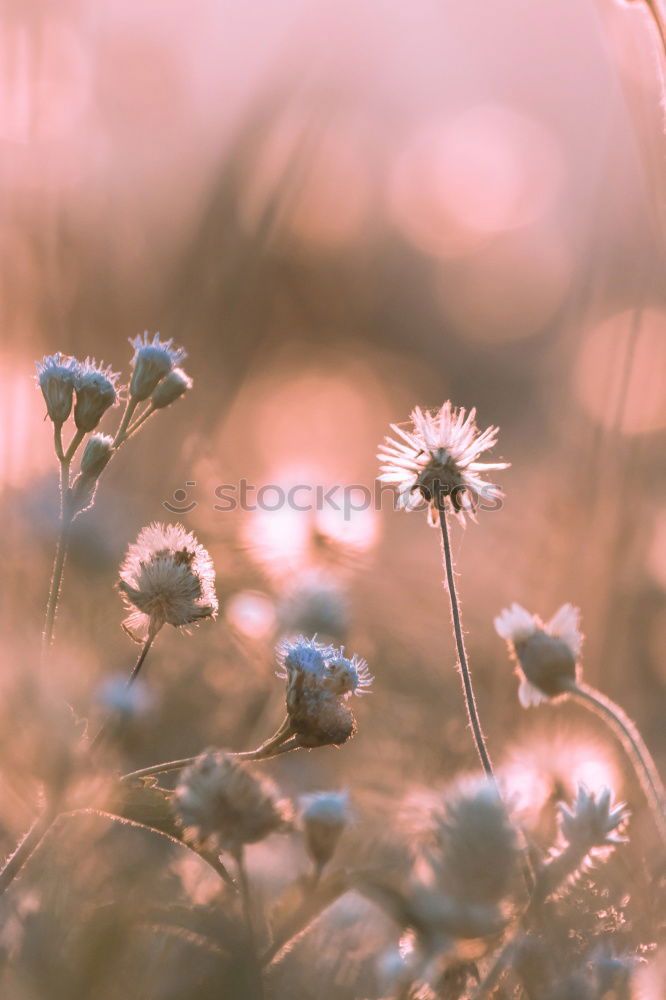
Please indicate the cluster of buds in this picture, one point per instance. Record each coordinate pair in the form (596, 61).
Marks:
(88, 389)
(320, 681)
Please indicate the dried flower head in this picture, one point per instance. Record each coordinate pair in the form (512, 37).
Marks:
(171, 388)
(167, 577)
(152, 361)
(592, 821)
(437, 461)
(320, 679)
(476, 850)
(220, 801)
(96, 455)
(324, 816)
(95, 392)
(56, 376)
(546, 654)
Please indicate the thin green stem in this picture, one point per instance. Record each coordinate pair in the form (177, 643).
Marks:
(465, 673)
(73, 445)
(61, 548)
(24, 850)
(246, 900)
(139, 422)
(261, 753)
(634, 746)
(130, 407)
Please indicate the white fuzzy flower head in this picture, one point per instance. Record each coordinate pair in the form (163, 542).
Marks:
(96, 391)
(593, 821)
(56, 376)
(220, 802)
(546, 654)
(324, 816)
(152, 361)
(167, 577)
(320, 680)
(171, 388)
(436, 461)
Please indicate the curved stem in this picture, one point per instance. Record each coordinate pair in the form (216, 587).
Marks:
(24, 850)
(261, 753)
(246, 899)
(634, 746)
(465, 674)
(134, 427)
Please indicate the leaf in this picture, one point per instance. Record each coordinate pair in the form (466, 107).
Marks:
(142, 802)
(299, 906)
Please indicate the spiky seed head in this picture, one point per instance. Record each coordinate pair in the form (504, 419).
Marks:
(96, 391)
(546, 655)
(476, 850)
(56, 377)
(436, 461)
(220, 801)
(167, 577)
(171, 388)
(152, 361)
(593, 821)
(324, 816)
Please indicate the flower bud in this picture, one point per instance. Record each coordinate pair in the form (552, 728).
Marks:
(171, 388)
(325, 815)
(152, 361)
(96, 455)
(57, 375)
(546, 654)
(95, 393)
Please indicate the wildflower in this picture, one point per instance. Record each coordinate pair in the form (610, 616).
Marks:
(320, 679)
(476, 850)
(171, 388)
(95, 393)
(325, 816)
(152, 361)
(591, 822)
(57, 375)
(96, 455)
(221, 802)
(545, 654)
(167, 577)
(316, 604)
(437, 460)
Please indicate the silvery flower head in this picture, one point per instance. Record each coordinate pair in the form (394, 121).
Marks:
(95, 392)
(171, 388)
(476, 849)
(221, 802)
(320, 679)
(57, 375)
(546, 654)
(436, 461)
(152, 361)
(167, 577)
(324, 816)
(592, 821)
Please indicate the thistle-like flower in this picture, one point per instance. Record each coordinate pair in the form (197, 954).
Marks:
(167, 577)
(95, 392)
(324, 817)
(152, 361)
(592, 821)
(436, 461)
(219, 801)
(171, 388)
(57, 376)
(546, 655)
(320, 680)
